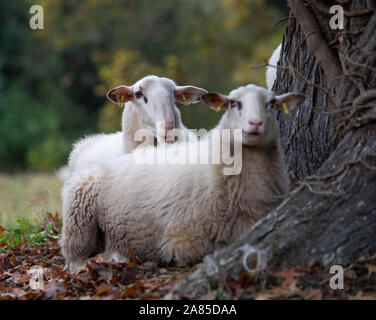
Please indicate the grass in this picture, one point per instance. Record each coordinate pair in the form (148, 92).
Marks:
(30, 232)
(28, 195)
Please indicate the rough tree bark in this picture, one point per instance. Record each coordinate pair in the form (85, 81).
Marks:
(330, 147)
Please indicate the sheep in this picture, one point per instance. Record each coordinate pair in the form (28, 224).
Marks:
(148, 104)
(271, 72)
(63, 173)
(180, 213)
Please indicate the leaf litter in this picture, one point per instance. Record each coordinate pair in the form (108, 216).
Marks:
(103, 280)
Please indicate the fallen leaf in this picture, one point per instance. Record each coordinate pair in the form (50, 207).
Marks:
(209, 296)
(289, 275)
(53, 288)
(20, 278)
(103, 290)
(371, 269)
(313, 294)
(17, 292)
(134, 261)
(170, 296)
(361, 296)
(351, 274)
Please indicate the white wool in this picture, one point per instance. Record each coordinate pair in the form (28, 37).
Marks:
(98, 147)
(176, 212)
(271, 72)
(159, 105)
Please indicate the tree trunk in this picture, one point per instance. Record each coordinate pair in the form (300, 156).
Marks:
(305, 134)
(330, 151)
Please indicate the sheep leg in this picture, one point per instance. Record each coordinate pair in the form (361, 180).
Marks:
(78, 242)
(115, 256)
(116, 247)
(185, 246)
(80, 228)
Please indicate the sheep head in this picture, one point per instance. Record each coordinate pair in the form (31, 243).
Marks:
(250, 108)
(154, 100)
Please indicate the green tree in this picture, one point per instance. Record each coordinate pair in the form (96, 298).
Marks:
(55, 80)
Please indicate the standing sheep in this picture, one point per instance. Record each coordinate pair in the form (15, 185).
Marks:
(180, 212)
(271, 72)
(148, 104)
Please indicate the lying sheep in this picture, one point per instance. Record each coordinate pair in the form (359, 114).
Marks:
(180, 212)
(271, 72)
(148, 104)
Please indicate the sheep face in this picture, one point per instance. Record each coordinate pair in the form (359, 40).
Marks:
(251, 109)
(154, 99)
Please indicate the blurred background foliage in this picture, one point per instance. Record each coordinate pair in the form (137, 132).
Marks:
(53, 81)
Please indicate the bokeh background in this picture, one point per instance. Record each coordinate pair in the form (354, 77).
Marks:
(53, 81)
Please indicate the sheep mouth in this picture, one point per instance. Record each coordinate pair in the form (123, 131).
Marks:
(168, 140)
(250, 133)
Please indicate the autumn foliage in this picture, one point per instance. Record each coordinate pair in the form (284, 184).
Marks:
(136, 280)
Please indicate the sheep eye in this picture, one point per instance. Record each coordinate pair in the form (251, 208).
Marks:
(138, 94)
(236, 104)
(233, 104)
(270, 105)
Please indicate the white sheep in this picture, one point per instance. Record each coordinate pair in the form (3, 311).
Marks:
(180, 212)
(271, 72)
(148, 104)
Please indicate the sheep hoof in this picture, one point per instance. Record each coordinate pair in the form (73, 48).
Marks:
(75, 265)
(111, 256)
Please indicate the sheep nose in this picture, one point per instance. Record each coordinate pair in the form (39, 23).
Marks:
(168, 126)
(256, 123)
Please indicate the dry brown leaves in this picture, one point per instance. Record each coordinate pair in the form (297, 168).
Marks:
(96, 280)
(105, 280)
(311, 283)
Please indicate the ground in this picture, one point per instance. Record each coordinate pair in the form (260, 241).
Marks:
(28, 195)
(29, 246)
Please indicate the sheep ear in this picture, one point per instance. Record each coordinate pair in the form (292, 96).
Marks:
(120, 94)
(292, 100)
(215, 100)
(188, 94)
